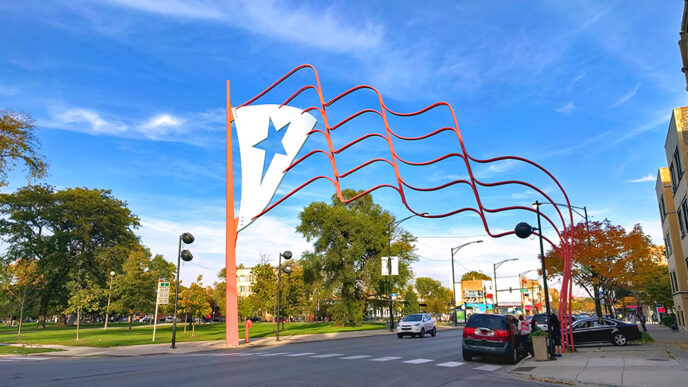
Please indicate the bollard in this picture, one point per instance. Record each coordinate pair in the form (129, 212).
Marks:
(247, 326)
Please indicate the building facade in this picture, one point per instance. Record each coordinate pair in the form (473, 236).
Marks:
(245, 281)
(672, 198)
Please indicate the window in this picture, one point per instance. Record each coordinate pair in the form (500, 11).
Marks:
(662, 208)
(679, 168)
(683, 319)
(674, 282)
(667, 243)
(680, 223)
(674, 179)
(684, 208)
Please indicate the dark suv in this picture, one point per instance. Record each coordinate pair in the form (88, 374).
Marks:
(491, 335)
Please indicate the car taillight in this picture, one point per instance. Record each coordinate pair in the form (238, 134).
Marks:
(468, 332)
(501, 333)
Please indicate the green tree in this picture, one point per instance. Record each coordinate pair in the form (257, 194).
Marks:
(83, 298)
(293, 298)
(475, 275)
(65, 230)
(23, 282)
(195, 302)
(654, 286)
(436, 297)
(348, 241)
(264, 295)
(219, 294)
(18, 144)
(410, 301)
(161, 268)
(134, 289)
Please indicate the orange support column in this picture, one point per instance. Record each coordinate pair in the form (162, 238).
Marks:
(232, 315)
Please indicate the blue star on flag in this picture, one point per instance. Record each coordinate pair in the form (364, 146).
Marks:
(272, 144)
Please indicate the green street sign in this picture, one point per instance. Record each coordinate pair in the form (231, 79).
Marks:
(163, 284)
(524, 290)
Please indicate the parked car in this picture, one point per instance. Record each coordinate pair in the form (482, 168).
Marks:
(541, 319)
(416, 324)
(254, 319)
(590, 330)
(491, 335)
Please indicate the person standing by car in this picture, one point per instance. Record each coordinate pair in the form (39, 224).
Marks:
(642, 319)
(524, 331)
(556, 333)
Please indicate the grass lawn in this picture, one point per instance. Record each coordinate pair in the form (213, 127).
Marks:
(12, 350)
(645, 339)
(95, 336)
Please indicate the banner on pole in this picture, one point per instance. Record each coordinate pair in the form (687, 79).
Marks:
(395, 265)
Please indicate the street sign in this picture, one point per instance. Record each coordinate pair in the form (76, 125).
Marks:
(163, 293)
(524, 290)
(395, 265)
(394, 296)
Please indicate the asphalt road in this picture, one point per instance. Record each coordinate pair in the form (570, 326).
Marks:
(371, 361)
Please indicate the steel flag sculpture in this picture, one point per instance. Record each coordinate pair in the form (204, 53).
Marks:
(271, 136)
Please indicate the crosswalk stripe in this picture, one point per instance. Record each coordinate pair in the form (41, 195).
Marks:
(387, 358)
(301, 354)
(274, 354)
(488, 367)
(354, 357)
(418, 361)
(451, 364)
(328, 355)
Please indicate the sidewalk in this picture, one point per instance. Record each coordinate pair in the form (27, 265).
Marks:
(664, 363)
(201, 346)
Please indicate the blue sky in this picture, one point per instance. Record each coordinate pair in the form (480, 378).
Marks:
(129, 95)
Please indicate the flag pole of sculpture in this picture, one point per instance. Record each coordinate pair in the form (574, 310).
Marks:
(271, 136)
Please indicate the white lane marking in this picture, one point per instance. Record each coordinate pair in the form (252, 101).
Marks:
(328, 355)
(226, 354)
(274, 354)
(247, 354)
(418, 361)
(488, 367)
(6, 360)
(301, 354)
(354, 357)
(387, 358)
(451, 364)
(30, 358)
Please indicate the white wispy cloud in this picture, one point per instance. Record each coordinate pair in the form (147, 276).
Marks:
(95, 122)
(321, 28)
(643, 179)
(624, 98)
(162, 120)
(567, 109)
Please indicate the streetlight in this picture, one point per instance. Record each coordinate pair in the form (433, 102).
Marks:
(390, 232)
(494, 272)
(523, 297)
(455, 250)
(524, 230)
(287, 270)
(186, 255)
(107, 310)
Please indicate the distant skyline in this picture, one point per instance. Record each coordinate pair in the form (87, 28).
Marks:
(130, 95)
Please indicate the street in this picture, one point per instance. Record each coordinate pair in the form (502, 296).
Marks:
(378, 360)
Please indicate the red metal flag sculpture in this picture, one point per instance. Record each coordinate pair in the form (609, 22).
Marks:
(287, 128)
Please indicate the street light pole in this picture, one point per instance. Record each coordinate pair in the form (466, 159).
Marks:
(455, 250)
(188, 239)
(494, 272)
(390, 234)
(544, 282)
(287, 256)
(107, 309)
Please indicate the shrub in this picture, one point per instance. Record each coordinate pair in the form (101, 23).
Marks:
(668, 320)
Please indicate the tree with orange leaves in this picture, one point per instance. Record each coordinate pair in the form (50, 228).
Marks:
(24, 282)
(605, 257)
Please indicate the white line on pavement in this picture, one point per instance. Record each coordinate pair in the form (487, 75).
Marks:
(354, 357)
(488, 367)
(451, 364)
(328, 355)
(418, 361)
(301, 354)
(274, 354)
(387, 358)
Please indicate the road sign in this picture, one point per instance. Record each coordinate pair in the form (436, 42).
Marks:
(524, 290)
(163, 293)
(394, 296)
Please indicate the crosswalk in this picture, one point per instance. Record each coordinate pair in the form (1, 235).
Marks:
(352, 357)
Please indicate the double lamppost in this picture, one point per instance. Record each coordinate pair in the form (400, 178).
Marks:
(186, 255)
(494, 272)
(287, 270)
(390, 235)
(524, 230)
(455, 250)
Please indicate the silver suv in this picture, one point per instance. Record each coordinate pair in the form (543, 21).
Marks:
(417, 324)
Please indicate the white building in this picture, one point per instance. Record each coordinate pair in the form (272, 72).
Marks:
(245, 281)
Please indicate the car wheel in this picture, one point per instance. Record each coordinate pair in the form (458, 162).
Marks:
(413, 335)
(467, 355)
(513, 359)
(399, 335)
(433, 332)
(619, 339)
(422, 333)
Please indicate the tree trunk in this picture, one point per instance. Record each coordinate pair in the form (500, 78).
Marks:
(21, 318)
(193, 329)
(596, 298)
(62, 321)
(41, 321)
(131, 319)
(78, 317)
(186, 317)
